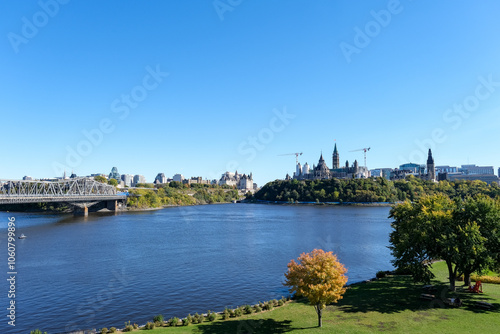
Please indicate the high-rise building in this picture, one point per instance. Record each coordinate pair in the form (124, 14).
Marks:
(160, 178)
(128, 180)
(139, 179)
(178, 177)
(114, 174)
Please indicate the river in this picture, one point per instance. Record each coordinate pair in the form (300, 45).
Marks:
(102, 270)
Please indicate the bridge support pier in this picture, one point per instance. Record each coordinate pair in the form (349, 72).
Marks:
(112, 205)
(81, 211)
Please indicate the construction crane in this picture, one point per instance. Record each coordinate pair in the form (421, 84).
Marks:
(296, 156)
(366, 149)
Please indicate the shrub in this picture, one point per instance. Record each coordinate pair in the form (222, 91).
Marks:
(149, 325)
(381, 274)
(486, 279)
(274, 301)
(268, 306)
(280, 302)
(257, 308)
(104, 330)
(128, 327)
(188, 320)
(248, 309)
(136, 326)
(198, 318)
(37, 331)
(238, 312)
(226, 314)
(158, 318)
(112, 330)
(173, 321)
(211, 316)
(159, 324)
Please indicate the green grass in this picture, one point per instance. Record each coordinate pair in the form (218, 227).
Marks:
(389, 305)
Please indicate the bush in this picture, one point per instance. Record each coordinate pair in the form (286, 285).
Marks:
(238, 312)
(128, 327)
(198, 318)
(485, 279)
(274, 301)
(136, 326)
(149, 325)
(188, 320)
(381, 274)
(159, 324)
(226, 314)
(211, 316)
(112, 330)
(37, 331)
(257, 308)
(172, 322)
(158, 318)
(268, 306)
(281, 302)
(248, 309)
(104, 330)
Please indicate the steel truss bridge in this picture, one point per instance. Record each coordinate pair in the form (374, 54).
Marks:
(80, 193)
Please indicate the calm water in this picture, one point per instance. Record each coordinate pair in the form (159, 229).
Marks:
(103, 270)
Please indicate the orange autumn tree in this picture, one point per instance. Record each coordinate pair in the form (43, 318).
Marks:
(319, 277)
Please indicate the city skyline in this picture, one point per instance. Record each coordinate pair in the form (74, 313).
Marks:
(204, 89)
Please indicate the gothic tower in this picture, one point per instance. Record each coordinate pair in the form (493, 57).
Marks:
(431, 170)
(335, 158)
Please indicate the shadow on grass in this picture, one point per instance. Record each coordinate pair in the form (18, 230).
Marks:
(244, 326)
(399, 293)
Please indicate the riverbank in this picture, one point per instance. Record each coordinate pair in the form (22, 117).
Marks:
(391, 304)
(368, 204)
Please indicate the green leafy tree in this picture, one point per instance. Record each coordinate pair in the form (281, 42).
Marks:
(113, 182)
(434, 227)
(319, 277)
(100, 178)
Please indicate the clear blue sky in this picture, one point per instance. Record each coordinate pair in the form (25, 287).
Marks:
(379, 74)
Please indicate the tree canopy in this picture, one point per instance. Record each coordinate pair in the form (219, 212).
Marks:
(319, 277)
(465, 233)
(370, 190)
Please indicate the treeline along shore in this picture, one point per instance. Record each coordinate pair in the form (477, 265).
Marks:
(372, 190)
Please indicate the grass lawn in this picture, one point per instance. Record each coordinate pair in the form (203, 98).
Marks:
(390, 305)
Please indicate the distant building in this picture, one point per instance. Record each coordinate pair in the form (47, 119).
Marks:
(488, 178)
(27, 178)
(446, 169)
(160, 179)
(241, 181)
(178, 177)
(128, 180)
(114, 174)
(197, 180)
(322, 172)
(138, 179)
(424, 172)
(476, 170)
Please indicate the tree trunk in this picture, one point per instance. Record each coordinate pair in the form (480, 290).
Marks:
(451, 275)
(467, 280)
(319, 311)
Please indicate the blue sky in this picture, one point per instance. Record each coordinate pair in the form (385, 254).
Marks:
(202, 87)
